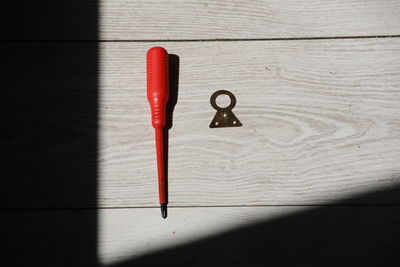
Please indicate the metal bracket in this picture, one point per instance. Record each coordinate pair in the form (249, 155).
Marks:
(224, 116)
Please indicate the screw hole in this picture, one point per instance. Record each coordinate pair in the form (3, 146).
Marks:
(216, 123)
(234, 122)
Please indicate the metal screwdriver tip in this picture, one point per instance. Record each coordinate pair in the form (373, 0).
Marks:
(164, 210)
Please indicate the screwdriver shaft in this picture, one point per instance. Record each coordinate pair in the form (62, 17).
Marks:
(160, 165)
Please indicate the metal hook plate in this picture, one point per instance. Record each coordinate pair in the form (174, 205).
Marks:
(224, 116)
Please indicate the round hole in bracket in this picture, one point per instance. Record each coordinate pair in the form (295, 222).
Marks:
(223, 101)
(230, 104)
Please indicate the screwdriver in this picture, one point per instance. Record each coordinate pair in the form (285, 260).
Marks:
(157, 95)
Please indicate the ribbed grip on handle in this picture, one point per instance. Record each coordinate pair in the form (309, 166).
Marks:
(157, 84)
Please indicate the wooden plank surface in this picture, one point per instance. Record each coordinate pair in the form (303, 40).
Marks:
(226, 19)
(249, 236)
(311, 178)
(234, 236)
(320, 122)
(144, 20)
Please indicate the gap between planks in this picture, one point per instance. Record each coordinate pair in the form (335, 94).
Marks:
(200, 40)
(217, 206)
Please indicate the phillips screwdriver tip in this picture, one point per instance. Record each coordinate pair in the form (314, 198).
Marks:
(164, 210)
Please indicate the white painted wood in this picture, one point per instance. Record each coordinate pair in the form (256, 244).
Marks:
(155, 20)
(320, 125)
(126, 234)
(230, 236)
(193, 19)
(320, 122)
(247, 235)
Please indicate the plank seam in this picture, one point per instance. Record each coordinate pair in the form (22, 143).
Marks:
(200, 40)
(215, 206)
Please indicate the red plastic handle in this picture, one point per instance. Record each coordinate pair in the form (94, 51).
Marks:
(157, 95)
(157, 84)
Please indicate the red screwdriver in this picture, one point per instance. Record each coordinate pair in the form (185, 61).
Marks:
(157, 95)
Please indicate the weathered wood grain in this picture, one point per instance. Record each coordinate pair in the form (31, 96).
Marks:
(234, 236)
(144, 20)
(321, 125)
(249, 236)
(321, 121)
(226, 19)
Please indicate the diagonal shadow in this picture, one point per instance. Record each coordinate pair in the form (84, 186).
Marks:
(48, 130)
(357, 231)
(48, 107)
